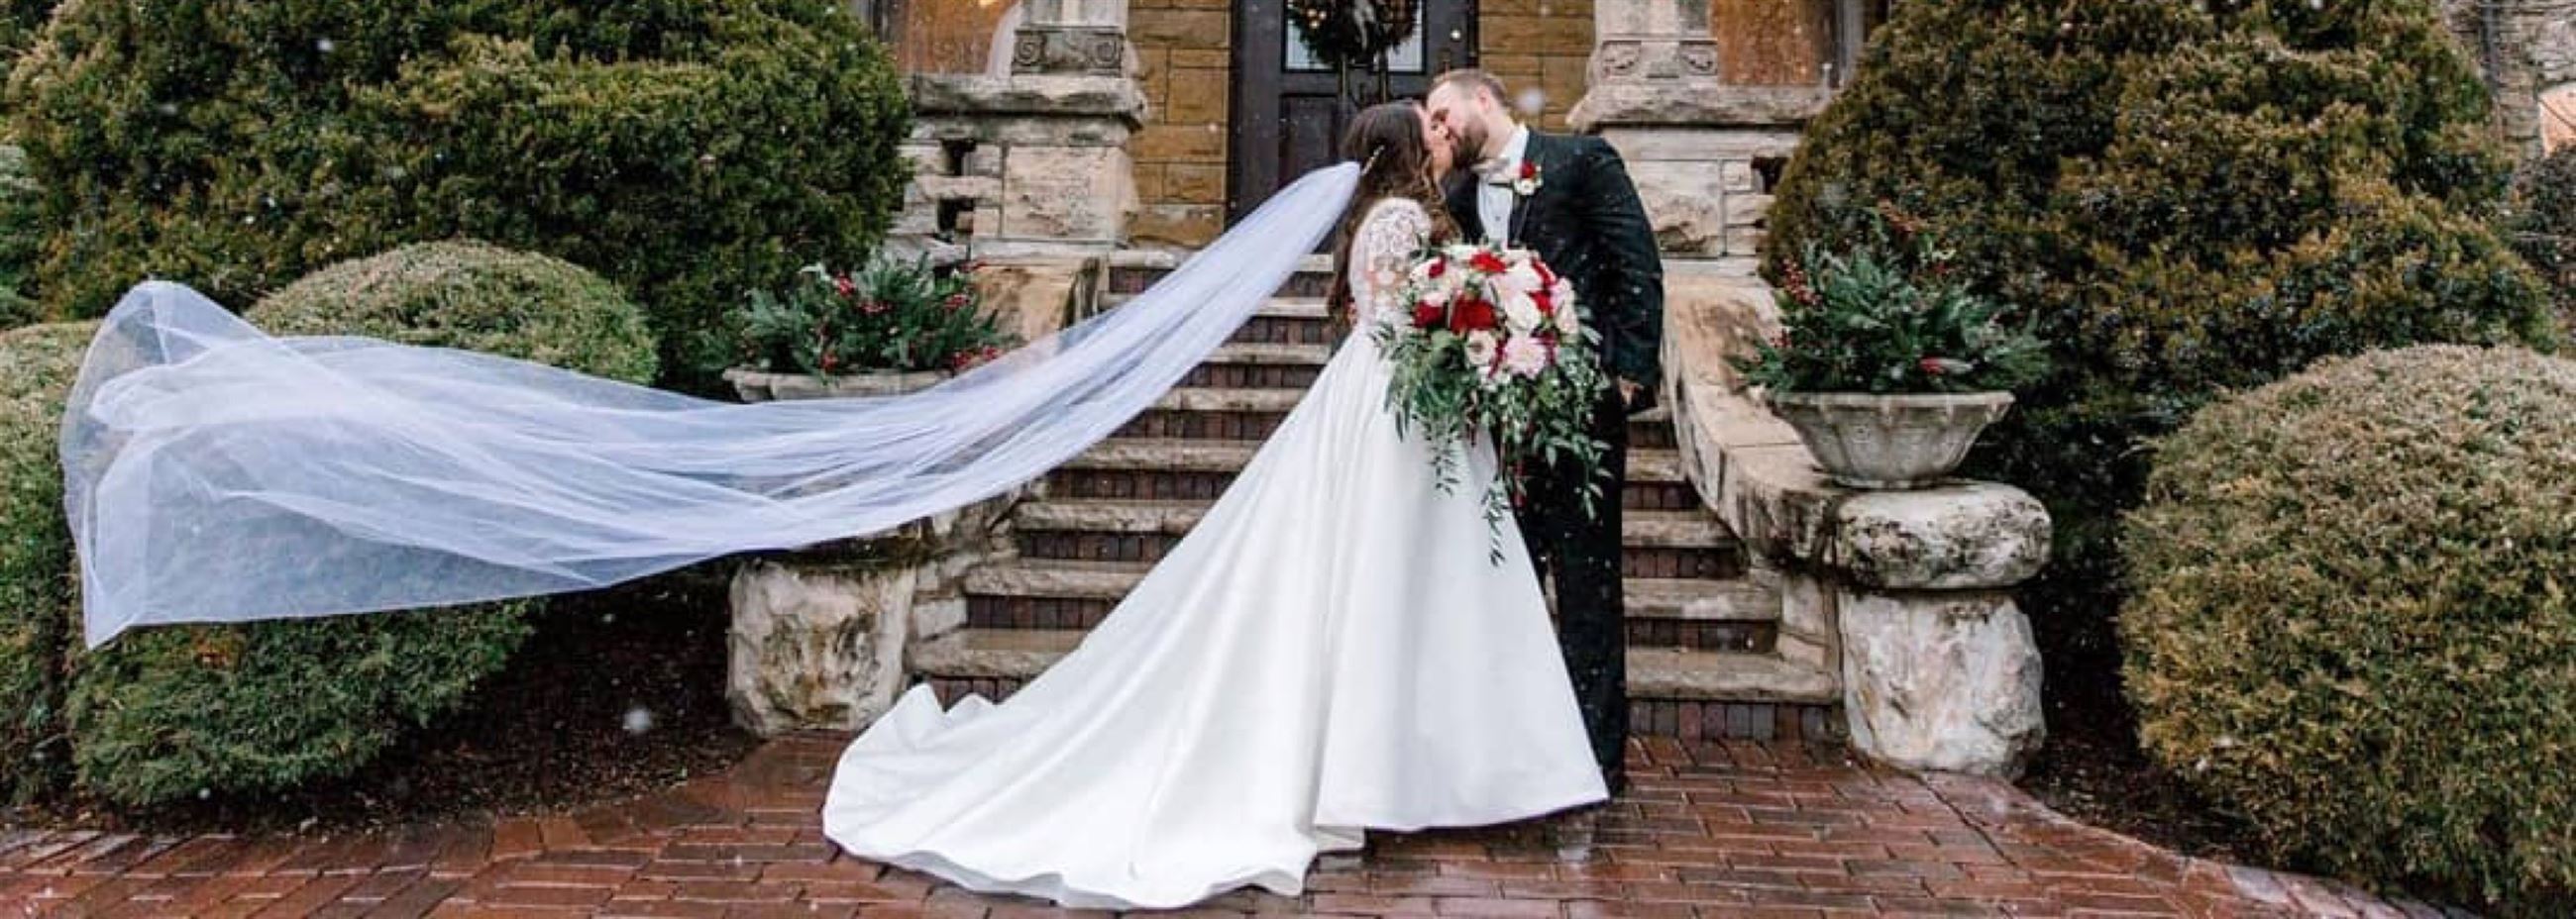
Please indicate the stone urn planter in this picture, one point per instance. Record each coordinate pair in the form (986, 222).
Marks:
(764, 386)
(1889, 441)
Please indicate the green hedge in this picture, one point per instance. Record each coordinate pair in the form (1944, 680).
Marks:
(21, 237)
(690, 150)
(166, 713)
(37, 364)
(2355, 619)
(2185, 198)
(476, 297)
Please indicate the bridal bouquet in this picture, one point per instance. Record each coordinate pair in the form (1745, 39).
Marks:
(1487, 341)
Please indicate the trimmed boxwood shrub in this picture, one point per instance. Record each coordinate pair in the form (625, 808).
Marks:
(21, 235)
(2183, 198)
(164, 713)
(37, 364)
(2355, 619)
(473, 296)
(2543, 224)
(690, 150)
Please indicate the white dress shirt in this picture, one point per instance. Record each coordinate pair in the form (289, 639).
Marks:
(1494, 197)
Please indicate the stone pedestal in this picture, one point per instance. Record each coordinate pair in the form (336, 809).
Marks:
(1905, 594)
(815, 649)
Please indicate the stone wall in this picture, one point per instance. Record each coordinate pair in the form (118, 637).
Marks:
(1184, 65)
(1540, 44)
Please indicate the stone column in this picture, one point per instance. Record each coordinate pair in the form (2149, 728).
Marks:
(1703, 152)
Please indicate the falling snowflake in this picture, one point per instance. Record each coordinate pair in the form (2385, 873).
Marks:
(1531, 102)
(639, 720)
(325, 45)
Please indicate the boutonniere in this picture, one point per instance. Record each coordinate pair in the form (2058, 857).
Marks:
(1528, 182)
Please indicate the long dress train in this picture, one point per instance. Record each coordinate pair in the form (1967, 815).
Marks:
(1329, 651)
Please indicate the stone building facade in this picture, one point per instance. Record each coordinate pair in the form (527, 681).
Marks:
(1224, 110)
(1078, 147)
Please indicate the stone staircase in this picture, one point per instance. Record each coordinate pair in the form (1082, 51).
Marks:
(1701, 626)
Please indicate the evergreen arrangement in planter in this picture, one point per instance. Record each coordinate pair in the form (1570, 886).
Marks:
(2185, 199)
(2355, 620)
(1887, 364)
(688, 150)
(890, 327)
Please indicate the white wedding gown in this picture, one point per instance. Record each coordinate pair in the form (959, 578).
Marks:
(1329, 651)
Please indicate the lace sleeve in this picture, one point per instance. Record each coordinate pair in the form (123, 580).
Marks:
(1381, 254)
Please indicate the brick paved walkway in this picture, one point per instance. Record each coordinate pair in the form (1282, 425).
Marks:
(1708, 831)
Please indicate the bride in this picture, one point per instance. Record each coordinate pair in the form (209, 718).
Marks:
(1330, 651)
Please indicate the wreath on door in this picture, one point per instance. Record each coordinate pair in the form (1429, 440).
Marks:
(1355, 35)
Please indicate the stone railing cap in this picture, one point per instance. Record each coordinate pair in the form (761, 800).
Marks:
(1070, 95)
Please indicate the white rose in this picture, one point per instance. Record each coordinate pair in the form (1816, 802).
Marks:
(1561, 295)
(1520, 313)
(1522, 276)
(1524, 356)
(1567, 323)
(1480, 349)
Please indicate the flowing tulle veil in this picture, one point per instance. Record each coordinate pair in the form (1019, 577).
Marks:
(213, 473)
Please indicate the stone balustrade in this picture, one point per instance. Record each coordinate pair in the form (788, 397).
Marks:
(1907, 592)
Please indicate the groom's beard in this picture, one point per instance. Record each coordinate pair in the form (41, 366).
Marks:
(1469, 148)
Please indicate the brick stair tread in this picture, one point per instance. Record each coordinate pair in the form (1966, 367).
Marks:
(1690, 529)
(1698, 600)
(1653, 673)
(1122, 454)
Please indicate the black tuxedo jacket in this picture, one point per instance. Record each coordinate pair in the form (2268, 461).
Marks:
(1586, 222)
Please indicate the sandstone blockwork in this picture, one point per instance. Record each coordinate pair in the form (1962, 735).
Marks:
(1184, 62)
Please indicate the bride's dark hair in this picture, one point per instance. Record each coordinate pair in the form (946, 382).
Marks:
(1395, 162)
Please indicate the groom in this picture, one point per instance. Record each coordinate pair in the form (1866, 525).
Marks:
(1568, 198)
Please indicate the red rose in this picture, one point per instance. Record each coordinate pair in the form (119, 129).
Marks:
(1529, 169)
(1439, 266)
(1427, 315)
(842, 283)
(1488, 263)
(1473, 314)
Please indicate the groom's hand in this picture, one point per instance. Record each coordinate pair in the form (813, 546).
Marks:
(1629, 393)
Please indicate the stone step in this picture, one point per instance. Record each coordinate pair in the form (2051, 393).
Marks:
(1201, 455)
(1271, 354)
(1729, 676)
(1643, 529)
(1131, 272)
(1696, 600)
(1687, 693)
(1145, 548)
(1655, 478)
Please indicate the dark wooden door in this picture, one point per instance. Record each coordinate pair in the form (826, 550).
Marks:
(1288, 110)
